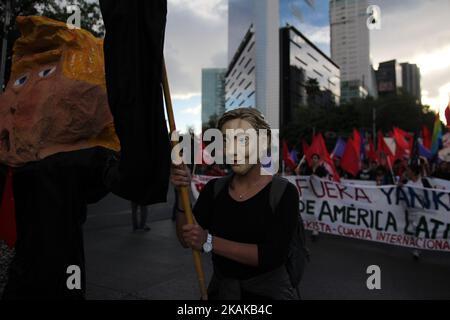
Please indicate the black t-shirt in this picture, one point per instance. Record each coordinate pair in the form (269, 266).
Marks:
(251, 221)
(320, 172)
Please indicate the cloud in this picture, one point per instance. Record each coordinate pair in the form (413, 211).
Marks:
(211, 10)
(441, 100)
(417, 31)
(196, 38)
(186, 96)
(318, 35)
(433, 61)
(192, 110)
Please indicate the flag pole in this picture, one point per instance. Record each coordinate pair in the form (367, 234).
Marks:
(184, 192)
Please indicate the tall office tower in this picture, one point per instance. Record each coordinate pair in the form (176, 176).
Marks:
(240, 18)
(240, 81)
(350, 46)
(260, 18)
(389, 78)
(213, 93)
(411, 80)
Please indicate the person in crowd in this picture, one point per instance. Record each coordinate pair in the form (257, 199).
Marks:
(302, 168)
(424, 167)
(365, 174)
(382, 176)
(337, 164)
(414, 178)
(373, 165)
(288, 171)
(249, 241)
(442, 171)
(399, 169)
(139, 221)
(317, 167)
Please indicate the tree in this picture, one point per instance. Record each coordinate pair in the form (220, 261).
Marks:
(316, 97)
(91, 18)
(313, 92)
(402, 111)
(212, 122)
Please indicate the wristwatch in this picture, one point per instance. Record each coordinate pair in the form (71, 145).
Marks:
(207, 246)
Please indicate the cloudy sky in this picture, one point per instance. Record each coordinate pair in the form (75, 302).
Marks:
(414, 31)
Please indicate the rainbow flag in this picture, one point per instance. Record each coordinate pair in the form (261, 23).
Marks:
(437, 136)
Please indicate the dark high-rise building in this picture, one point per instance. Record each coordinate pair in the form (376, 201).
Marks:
(411, 80)
(302, 61)
(389, 78)
(253, 77)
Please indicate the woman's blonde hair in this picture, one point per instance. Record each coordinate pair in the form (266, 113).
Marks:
(251, 115)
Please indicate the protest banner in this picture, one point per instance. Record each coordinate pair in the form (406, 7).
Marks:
(404, 216)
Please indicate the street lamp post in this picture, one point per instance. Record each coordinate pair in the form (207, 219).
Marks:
(7, 21)
(374, 126)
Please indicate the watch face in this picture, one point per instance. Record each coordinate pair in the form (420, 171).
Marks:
(207, 247)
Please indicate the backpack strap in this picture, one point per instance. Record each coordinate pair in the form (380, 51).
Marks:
(277, 189)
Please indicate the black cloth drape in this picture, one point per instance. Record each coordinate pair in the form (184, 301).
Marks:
(133, 50)
(51, 195)
(51, 198)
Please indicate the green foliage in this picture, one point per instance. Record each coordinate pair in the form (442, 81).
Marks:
(212, 122)
(91, 18)
(401, 111)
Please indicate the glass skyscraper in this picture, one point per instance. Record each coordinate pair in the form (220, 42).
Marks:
(213, 93)
(262, 18)
(350, 46)
(262, 55)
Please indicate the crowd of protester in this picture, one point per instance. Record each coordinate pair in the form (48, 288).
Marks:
(402, 171)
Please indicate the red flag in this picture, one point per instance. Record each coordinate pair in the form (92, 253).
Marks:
(312, 150)
(404, 142)
(372, 154)
(357, 139)
(287, 157)
(447, 115)
(305, 147)
(7, 213)
(350, 161)
(426, 135)
(318, 147)
(384, 150)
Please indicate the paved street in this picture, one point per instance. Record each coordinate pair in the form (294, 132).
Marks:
(126, 265)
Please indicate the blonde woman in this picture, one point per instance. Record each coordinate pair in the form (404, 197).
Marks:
(249, 236)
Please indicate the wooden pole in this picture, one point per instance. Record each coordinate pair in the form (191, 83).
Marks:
(184, 191)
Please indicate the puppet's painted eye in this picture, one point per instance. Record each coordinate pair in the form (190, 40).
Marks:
(47, 71)
(20, 81)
